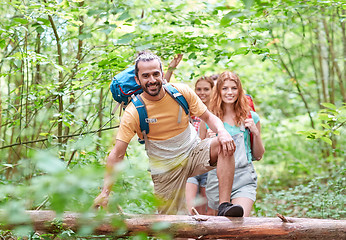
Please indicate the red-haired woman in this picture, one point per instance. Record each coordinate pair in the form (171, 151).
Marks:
(230, 104)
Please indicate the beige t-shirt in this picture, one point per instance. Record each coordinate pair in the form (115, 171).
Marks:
(163, 114)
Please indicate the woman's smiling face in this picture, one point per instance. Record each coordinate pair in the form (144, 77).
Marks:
(203, 90)
(229, 92)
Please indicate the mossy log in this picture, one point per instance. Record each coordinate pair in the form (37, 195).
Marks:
(198, 227)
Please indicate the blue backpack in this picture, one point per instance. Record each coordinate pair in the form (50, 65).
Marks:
(124, 89)
(124, 85)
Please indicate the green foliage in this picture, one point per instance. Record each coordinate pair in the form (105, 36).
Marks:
(56, 62)
(321, 197)
(295, 177)
(61, 189)
(332, 119)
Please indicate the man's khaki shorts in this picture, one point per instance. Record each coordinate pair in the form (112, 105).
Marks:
(170, 186)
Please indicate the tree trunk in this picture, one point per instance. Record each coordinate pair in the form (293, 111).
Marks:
(344, 44)
(334, 59)
(72, 100)
(323, 61)
(201, 226)
(100, 116)
(289, 67)
(61, 83)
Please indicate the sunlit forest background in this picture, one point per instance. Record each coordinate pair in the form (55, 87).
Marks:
(57, 59)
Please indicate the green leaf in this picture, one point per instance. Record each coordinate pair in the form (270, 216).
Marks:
(40, 29)
(103, 62)
(124, 16)
(324, 116)
(197, 22)
(329, 105)
(21, 20)
(242, 50)
(305, 133)
(34, 6)
(224, 22)
(126, 38)
(336, 132)
(92, 12)
(229, 16)
(17, 55)
(2, 43)
(248, 3)
(65, 4)
(43, 21)
(326, 126)
(66, 124)
(319, 133)
(327, 140)
(193, 56)
(260, 50)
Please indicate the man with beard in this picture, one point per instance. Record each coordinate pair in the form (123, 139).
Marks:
(174, 149)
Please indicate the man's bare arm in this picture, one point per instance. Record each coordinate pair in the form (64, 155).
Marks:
(225, 139)
(115, 156)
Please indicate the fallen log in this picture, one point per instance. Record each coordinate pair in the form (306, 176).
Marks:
(198, 227)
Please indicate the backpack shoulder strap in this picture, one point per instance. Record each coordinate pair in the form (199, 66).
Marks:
(142, 112)
(177, 96)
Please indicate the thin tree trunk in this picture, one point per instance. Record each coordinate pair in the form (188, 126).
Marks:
(313, 57)
(100, 115)
(27, 101)
(38, 76)
(61, 86)
(2, 138)
(334, 58)
(332, 69)
(344, 44)
(8, 171)
(36, 81)
(323, 56)
(8, 104)
(292, 75)
(14, 152)
(78, 59)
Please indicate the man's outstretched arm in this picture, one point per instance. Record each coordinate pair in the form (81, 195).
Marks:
(115, 156)
(172, 66)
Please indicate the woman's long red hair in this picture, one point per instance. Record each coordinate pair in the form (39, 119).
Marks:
(241, 106)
